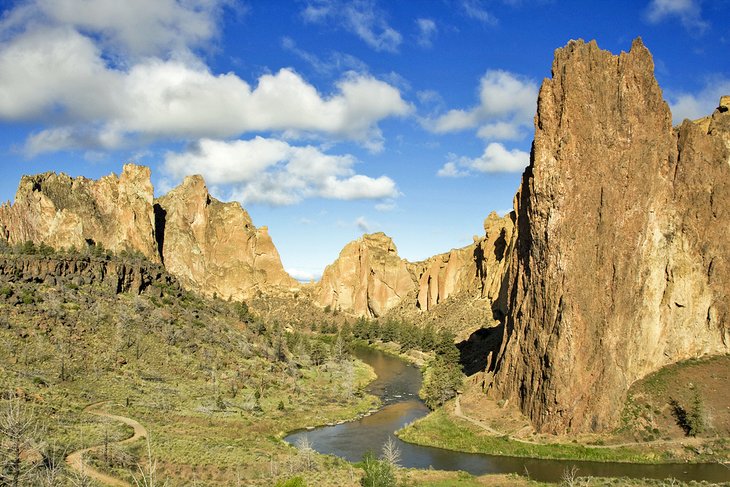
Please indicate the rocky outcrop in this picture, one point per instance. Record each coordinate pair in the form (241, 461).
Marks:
(477, 268)
(112, 275)
(213, 246)
(367, 279)
(621, 260)
(61, 212)
(370, 279)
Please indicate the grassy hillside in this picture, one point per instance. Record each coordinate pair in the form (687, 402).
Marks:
(213, 385)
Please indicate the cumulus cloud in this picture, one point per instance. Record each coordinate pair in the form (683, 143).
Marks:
(271, 171)
(360, 17)
(687, 11)
(506, 107)
(59, 76)
(699, 104)
(132, 28)
(496, 158)
(303, 275)
(426, 32)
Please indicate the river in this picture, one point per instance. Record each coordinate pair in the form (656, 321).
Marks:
(397, 386)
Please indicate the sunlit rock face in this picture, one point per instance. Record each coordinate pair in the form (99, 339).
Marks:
(621, 254)
(61, 211)
(214, 247)
(367, 279)
(476, 269)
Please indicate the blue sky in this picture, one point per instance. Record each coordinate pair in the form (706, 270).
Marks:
(325, 118)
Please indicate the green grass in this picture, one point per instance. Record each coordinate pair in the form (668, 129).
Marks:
(439, 430)
(209, 395)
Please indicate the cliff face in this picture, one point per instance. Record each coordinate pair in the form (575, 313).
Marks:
(477, 268)
(367, 279)
(621, 250)
(61, 211)
(214, 246)
(210, 246)
(370, 279)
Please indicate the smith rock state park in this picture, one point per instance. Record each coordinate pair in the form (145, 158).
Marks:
(358, 242)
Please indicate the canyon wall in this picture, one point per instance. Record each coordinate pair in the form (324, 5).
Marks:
(370, 279)
(212, 247)
(621, 252)
(61, 211)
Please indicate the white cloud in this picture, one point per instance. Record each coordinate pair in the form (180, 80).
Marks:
(700, 104)
(360, 17)
(506, 107)
(273, 172)
(499, 131)
(387, 205)
(475, 10)
(451, 170)
(426, 31)
(135, 28)
(496, 158)
(61, 79)
(335, 62)
(687, 11)
(302, 275)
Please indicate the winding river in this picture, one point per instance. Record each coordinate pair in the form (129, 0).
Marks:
(397, 386)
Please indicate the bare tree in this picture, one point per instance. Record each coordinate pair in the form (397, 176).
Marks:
(306, 453)
(148, 475)
(391, 453)
(18, 433)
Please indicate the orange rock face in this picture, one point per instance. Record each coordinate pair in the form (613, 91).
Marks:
(210, 246)
(478, 267)
(61, 211)
(622, 244)
(368, 278)
(214, 246)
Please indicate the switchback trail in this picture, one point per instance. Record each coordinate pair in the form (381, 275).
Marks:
(75, 459)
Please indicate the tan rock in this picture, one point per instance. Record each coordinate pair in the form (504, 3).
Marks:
(621, 256)
(367, 279)
(214, 247)
(477, 268)
(61, 211)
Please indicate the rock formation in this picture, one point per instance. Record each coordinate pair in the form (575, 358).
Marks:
(370, 279)
(214, 246)
(116, 276)
(61, 211)
(477, 268)
(210, 246)
(621, 260)
(367, 279)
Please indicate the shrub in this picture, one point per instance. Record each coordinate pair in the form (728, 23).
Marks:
(378, 473)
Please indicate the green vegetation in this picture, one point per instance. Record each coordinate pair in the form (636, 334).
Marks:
(440, 430)
(214, 385)
(442, 376)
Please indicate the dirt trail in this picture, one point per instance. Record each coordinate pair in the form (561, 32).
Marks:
(692, 441)
(74, 459)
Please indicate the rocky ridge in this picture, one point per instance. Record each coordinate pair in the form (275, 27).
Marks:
(621, 250)
(61, 211)
(212, 247)
(115, 275)
(370, 279)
